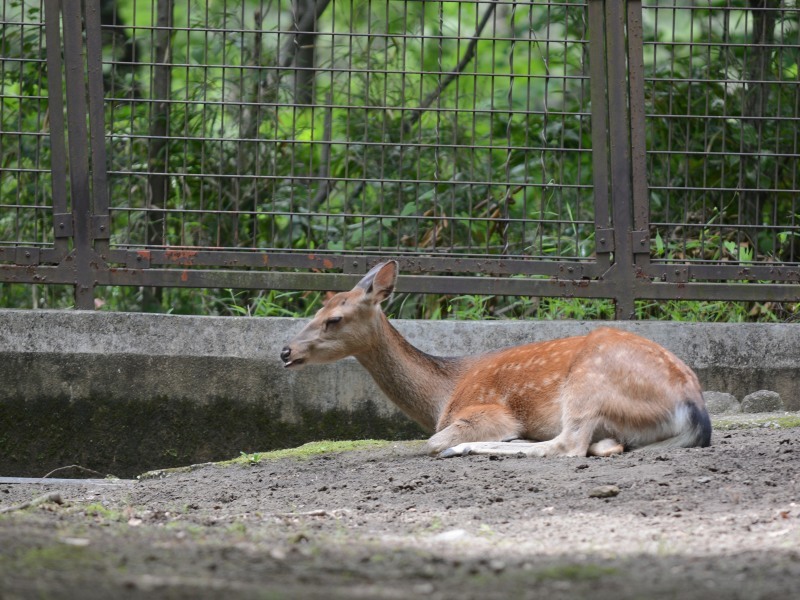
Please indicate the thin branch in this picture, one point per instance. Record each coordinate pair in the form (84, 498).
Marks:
(49, 497)
(80, 468)
(453, 75)
(325, 187)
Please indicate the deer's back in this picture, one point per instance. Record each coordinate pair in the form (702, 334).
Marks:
(637, 378)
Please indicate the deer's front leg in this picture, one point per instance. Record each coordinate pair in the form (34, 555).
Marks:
(511, 448)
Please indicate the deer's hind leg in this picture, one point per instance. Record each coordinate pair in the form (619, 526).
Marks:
(477, 423)
(583, 432)
(574, 440)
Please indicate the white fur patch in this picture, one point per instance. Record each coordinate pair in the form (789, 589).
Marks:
(675, 432)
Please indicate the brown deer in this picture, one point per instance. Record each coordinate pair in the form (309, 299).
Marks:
(596, 394)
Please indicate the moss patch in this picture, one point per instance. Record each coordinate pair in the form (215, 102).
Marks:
(59, 557)
(306, 451)
(575, 572)
(784, 421)
(96, 509)
(303, 452)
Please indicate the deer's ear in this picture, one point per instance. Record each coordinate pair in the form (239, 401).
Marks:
(379, 282)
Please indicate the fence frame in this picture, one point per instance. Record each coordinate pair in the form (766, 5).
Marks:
(622, 268)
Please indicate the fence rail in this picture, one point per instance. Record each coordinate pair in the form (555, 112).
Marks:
(587, 148)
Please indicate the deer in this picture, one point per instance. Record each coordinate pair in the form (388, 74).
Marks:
(598, 394)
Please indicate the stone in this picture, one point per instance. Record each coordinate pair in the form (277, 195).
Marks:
(762, 401)
(451, 535)
(720, 403)
(604, 491)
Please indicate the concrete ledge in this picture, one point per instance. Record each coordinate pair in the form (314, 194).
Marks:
(124, 393)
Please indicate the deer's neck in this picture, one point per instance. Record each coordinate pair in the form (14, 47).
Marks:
(418, 383)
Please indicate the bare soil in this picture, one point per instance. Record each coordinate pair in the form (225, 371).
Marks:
(390, 522)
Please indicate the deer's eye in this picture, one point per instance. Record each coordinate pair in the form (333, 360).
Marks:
(332, 321)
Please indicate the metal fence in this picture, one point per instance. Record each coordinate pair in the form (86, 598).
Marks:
(594, 148)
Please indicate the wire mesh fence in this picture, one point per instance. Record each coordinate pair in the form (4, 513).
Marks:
(575, 148)
(369, 127)
(723, 105)
(25, 161)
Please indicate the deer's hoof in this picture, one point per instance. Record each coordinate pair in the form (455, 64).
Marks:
(460, 450)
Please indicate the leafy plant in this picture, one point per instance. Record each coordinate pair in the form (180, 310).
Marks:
(252, 459)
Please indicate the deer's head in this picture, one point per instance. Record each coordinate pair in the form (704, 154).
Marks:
(346, 325)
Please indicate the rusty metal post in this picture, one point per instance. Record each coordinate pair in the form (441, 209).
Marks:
(604, 234)
(160, 108)
(62, 219)
(640, 234)
(78, 144)
(620, 157)
(100, 220)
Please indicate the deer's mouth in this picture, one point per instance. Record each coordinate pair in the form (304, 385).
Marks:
(289, 359)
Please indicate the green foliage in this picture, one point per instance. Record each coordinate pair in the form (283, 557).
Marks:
(366, 172)
(25, 185)
(269, 303)
(36, 296)
(723, 157)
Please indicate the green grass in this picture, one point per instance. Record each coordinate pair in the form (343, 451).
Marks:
(730, 422)
(96, 509)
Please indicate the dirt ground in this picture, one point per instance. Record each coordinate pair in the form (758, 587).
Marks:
(389, 522)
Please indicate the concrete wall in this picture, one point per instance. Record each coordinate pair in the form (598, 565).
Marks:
(123, 393)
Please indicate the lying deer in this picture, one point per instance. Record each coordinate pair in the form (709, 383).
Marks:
(596, 394)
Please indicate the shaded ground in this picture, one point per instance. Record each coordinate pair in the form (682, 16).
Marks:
(388, 522)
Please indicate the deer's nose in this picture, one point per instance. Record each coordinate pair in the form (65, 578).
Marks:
(286, 353)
